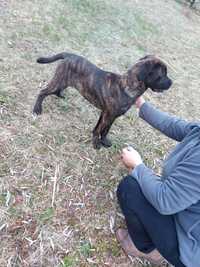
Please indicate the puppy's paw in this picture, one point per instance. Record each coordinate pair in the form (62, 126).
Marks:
(106, 142)
(60, 94)
(37, 110)
(96, 143)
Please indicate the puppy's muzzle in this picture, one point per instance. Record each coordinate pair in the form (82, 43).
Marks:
(162, 85)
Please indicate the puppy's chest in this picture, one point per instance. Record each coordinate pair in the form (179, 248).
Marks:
(127, 99)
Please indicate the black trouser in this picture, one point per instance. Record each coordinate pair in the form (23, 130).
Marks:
(147, 227)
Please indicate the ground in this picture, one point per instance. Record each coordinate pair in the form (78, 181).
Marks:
(57, 194)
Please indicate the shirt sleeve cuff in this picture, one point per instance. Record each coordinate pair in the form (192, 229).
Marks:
(144, 109)
(139, 171)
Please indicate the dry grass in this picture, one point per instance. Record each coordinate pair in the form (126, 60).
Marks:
(57, 195)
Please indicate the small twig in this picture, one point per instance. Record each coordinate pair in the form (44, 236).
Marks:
(2, 226)
(8, 197)
(112, 224)
(42, 176)
(54, 185)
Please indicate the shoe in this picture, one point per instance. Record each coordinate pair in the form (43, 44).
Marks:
(130, 249)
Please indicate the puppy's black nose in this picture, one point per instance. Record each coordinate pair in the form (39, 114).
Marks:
(169, 83)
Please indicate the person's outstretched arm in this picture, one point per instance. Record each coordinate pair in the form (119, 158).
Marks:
(171, 126)
(175, 193)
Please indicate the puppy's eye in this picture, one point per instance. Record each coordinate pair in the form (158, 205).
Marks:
(157, 65)
(158, 78)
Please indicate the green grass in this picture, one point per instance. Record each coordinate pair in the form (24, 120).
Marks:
(63, 105)
(85, 249)
(2, 199)
(109, 247)
(46, 215)
(3, 99)
(68, 261)
(102, 23)
(15, 212)
(51, 32)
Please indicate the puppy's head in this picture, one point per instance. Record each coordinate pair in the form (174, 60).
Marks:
(153, 72)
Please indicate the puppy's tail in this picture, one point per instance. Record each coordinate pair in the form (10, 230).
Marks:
(46, 60)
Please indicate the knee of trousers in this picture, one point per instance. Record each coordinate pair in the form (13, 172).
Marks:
(128, 187)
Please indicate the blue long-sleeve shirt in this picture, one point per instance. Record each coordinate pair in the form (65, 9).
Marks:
(177, 192)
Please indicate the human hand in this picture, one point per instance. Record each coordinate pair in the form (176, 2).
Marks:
(139, 101)
(130, 157)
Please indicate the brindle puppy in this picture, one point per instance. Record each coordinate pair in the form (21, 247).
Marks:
(112, 93)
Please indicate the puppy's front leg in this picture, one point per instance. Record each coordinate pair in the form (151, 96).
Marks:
(104, 131)
(101, 130)
(96, 137)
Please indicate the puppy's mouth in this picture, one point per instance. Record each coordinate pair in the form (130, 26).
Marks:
(158, 90)
(162, 86)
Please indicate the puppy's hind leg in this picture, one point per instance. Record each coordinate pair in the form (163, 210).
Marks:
(51, 89)
(60, 93)
(55, 87)
(38, 104)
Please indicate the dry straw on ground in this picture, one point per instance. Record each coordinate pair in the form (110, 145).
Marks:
(57, 195)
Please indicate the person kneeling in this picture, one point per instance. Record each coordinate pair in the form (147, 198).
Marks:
(163, 213)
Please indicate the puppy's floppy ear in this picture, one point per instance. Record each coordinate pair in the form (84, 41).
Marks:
(144, 70)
